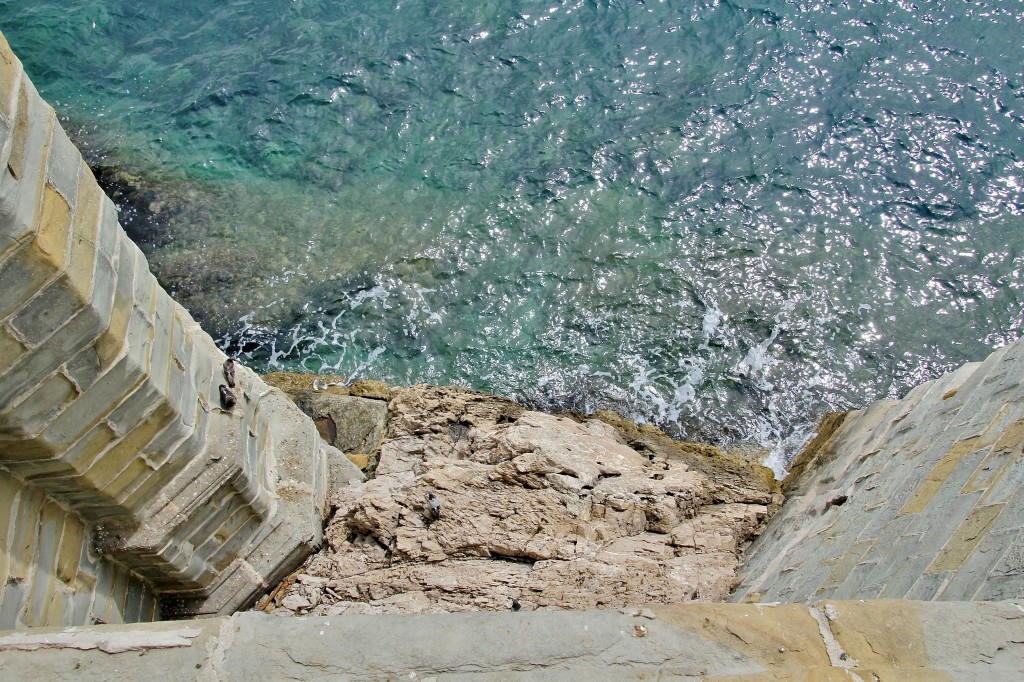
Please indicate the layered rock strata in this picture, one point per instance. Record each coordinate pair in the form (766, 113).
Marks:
(480, 504)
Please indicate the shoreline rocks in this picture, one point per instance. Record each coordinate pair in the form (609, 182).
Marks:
(477, 502)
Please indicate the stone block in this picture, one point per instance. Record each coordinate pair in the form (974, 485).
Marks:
(79, 454)
(224, 542)
(948, 476)
(1006, 482)
(31, 415)
(5, 131)
(107, 392)
(850, 588)
(31, 264)
(82, 269)
(12, 607)
(53, 233)
(11, 349)
(134, 600)
(146, 288)
(22, 180)
(79, 332)
(135, 471)
(70, 552)
(206, 369)
(907, 574)
(83, 368)
(63, 165)
(114, 341)
(969, 579)
(47, 311)
(81, 602)
(44, 584)
(890, 556)
(965, 539)
(108, 238)
(10, 73)
(890, 490)
(101, 605)
(928, 586)
(843, 566)
(23, 541)
(118, 594)
(1001, 587)
(938, 523)
(176, 446)
(1011, 560)
(348, 423)
(9, 501)
(343, 468)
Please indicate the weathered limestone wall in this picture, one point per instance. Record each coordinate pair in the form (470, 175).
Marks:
(919, 498)
(122, 435)
(52, 575)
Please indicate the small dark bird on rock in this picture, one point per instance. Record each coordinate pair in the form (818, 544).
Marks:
(516, 605)
(227, 398)
(434, 503)
(229, 372)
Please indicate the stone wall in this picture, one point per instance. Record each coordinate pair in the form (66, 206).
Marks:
(51, 573)
(125, 439)
(835, 640)
(919, 498)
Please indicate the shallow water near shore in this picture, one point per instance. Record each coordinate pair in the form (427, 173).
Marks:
(724, 218)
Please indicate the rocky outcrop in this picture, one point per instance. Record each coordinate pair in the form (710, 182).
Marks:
(480, 504)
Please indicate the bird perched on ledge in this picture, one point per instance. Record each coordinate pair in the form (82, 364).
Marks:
(433, 506)
(227, 398)
(229, 372)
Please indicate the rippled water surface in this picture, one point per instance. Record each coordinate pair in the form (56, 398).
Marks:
(721, 217)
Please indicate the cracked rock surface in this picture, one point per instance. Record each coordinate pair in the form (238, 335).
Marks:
(477, 501)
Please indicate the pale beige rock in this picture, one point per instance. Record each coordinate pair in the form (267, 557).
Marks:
(555, 512)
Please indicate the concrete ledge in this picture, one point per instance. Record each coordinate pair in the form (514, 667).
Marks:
(828, 641)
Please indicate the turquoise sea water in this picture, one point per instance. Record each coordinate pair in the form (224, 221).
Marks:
(720, 217)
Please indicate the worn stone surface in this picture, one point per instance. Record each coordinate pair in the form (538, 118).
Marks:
(350, 418)
(550, 511)
(298, 385)
(349, 423)
(919, 498)
(836, 640)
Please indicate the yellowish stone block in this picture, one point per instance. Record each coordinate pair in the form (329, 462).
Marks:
(10, 67)
(52, 240)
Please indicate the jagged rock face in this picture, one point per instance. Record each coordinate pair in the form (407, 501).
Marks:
(545, 510)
